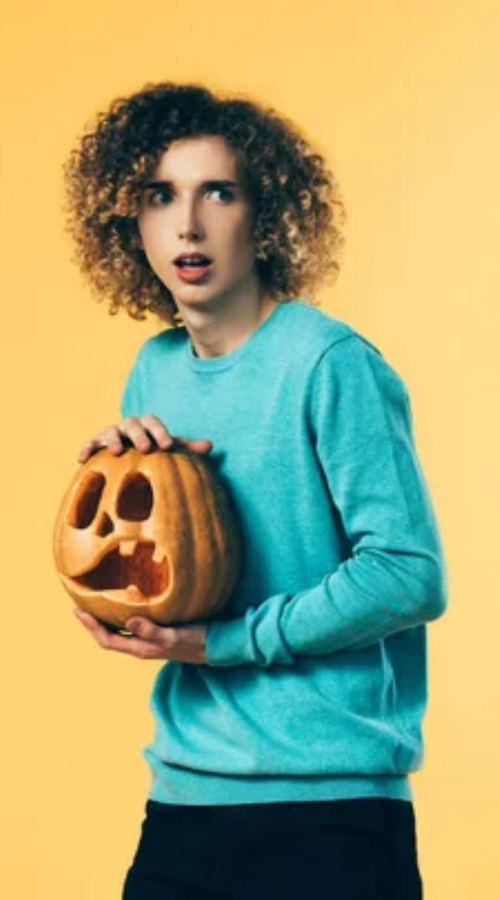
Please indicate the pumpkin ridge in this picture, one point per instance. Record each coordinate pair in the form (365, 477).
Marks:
(227, 536)
(211, 506)
(186, 560)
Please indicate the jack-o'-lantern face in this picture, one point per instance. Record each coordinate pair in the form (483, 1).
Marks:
(152, 534)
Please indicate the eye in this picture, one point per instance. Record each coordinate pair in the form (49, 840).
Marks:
(162, 193)
(227, 194)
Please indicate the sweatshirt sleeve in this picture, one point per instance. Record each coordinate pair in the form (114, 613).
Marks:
(395, 577)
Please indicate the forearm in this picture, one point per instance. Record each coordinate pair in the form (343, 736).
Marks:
(366, 599)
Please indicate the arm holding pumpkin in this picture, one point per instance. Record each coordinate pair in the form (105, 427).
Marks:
(396, 576)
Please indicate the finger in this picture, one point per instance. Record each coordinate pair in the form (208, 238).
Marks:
(111, 641)
(99, 632)
(87, 449)
(151, 631)
(201, 445)
(109, 437)
(158, 430)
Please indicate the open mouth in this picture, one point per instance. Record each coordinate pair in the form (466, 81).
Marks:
(199, 261)
(137, 568)
(192, 272)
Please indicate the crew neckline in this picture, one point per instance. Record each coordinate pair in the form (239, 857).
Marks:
(227, 360)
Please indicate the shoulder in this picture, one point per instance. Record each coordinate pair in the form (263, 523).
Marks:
(340, 355)
(160, 346)
(317, 327)
(318, 334)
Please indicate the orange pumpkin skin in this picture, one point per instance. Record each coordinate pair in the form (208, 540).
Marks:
(150, 534)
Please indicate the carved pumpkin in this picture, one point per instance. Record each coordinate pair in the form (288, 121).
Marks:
(151, 534)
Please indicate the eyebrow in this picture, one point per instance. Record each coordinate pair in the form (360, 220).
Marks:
(214, 183)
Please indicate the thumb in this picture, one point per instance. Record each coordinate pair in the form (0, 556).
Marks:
(143, 628)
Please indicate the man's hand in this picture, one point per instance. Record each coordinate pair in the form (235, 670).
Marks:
(146, 433)
(184, 643)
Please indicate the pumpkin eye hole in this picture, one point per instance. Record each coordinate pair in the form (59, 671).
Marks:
(85, 507)
(135, 500)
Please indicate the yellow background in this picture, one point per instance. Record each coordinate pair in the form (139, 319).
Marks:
(403, 99)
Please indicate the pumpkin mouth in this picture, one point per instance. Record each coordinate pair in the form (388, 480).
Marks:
(138, 568)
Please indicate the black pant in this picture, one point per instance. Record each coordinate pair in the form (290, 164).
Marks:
(362, 849)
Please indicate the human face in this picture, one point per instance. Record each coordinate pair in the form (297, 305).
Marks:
(196, 202)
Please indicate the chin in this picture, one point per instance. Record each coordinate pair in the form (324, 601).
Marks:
(199, 293)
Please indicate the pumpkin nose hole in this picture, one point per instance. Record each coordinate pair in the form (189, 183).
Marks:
(135, 500)
(105, 525)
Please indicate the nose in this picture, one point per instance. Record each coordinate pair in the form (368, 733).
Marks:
(188, 234)
(189, 224)
(104, 525)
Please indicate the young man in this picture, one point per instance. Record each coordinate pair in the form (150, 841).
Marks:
(286, 727)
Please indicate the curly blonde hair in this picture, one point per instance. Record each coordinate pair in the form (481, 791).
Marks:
(298, 208)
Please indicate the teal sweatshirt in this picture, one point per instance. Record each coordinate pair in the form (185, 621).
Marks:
(315, 684)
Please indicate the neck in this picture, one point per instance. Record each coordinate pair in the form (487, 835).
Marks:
(219, 329)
